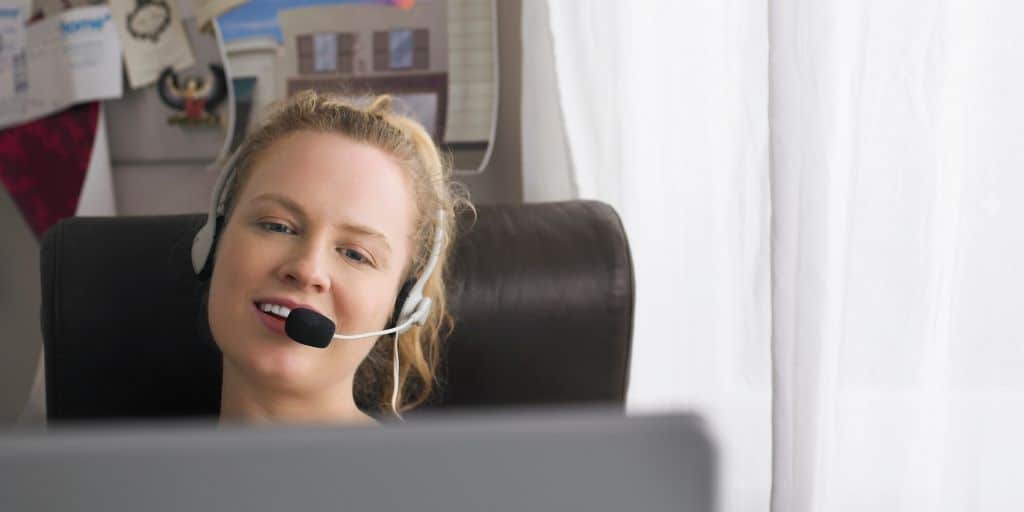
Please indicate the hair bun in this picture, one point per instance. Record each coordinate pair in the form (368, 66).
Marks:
(381, 105)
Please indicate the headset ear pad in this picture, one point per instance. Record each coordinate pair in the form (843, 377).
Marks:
(204, 275)
(400, 301)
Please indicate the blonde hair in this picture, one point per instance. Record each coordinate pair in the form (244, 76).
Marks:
(372, 121)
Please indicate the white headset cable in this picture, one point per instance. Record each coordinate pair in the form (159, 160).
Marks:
(394, 385)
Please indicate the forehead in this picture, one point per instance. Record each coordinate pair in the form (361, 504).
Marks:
(336, 179)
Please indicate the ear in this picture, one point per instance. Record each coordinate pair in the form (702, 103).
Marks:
(400, 301)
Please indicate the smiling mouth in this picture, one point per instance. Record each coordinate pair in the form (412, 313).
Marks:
(274, 310)
(271, 320)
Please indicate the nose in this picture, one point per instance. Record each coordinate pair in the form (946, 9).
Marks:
(306, 268)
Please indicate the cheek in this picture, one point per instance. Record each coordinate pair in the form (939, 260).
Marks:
(366, 307)
(240, 259)
(219, 310)
(227, 297)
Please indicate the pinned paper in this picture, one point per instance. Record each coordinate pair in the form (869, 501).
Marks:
(206, 10)
(67, 58)
(44, 8)
(13, 79)
(153, 38)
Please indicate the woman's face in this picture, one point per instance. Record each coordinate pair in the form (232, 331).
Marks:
(324, 222)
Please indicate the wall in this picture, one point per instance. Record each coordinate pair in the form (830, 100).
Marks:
(19, 308)
(183, 184)
(546, 164)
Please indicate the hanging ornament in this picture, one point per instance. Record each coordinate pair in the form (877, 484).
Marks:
(195, 98)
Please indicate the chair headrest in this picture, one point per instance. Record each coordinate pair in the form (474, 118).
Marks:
(542, 297)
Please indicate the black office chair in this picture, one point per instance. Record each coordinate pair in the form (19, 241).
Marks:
(542, 296)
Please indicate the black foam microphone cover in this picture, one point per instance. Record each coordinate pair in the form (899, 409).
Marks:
(309, 328)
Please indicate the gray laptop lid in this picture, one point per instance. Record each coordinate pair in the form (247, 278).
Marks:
(582, 461)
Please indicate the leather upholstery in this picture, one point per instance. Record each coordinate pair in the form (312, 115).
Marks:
(542, 295)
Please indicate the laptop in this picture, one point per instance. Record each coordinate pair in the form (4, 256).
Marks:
(510, 461)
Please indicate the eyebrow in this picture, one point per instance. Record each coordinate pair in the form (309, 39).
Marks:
(292, 206)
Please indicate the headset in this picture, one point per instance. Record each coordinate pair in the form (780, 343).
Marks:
(411, 307)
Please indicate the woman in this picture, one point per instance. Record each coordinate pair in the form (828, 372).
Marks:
(332, 207)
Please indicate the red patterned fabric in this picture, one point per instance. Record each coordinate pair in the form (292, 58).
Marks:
(43, 163)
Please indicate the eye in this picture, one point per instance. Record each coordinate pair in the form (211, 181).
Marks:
(354, 255)
(276, 227)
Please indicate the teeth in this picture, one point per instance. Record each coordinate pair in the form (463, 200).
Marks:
(276, 309)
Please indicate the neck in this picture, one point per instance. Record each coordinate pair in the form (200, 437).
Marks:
(243, 400)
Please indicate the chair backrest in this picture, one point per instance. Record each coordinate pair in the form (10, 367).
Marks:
(542, 297)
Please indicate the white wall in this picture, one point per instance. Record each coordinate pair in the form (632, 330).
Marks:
(546, 164)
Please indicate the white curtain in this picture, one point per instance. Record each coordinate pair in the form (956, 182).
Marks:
(898, 357)
(665, 107)
(895, 128)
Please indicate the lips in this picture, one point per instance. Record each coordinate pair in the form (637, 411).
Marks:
(287, 303)
(274, 309)
(272, 312)
(272, 322)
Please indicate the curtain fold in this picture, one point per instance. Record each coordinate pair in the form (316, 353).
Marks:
(896, 354)
(665, 106)
(890, 294)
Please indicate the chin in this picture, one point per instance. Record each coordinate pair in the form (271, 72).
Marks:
(288, 367)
